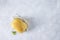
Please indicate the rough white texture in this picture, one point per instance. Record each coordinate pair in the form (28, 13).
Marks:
(44, 16)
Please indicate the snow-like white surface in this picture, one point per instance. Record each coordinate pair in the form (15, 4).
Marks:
(44, 16)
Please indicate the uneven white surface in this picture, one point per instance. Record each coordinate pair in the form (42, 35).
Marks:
(45, 16)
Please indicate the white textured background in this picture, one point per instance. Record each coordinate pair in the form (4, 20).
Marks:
(45, 15)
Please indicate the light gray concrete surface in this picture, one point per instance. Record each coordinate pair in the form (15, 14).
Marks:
(44, 16)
